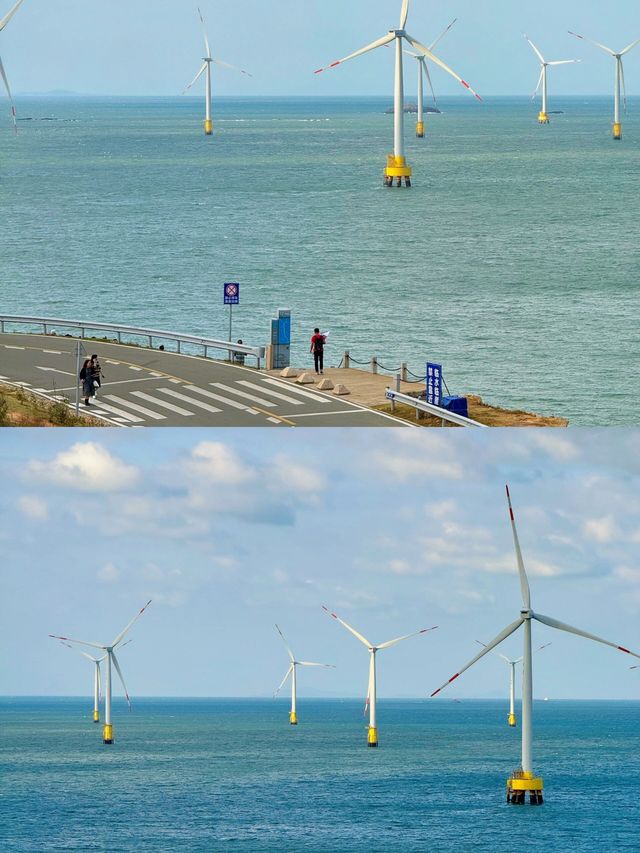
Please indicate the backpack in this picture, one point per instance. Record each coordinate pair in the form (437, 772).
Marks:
(319, 343)
(83, 373)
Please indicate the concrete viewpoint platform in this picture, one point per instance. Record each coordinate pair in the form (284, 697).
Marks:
(149, 387)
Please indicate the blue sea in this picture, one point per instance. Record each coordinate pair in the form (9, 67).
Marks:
(513, 260)
(218, 775)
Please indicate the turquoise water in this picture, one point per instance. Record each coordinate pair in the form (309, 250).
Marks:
(211, 775)
(513, 260)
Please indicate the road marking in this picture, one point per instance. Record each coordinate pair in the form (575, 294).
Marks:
(186, 399)
(163, 403)
(138, 369)
(354, 411)
(52, 351)
(233, 403)
(24, 384)
(136, 408)
(176, 381)
(274, 421)
(268, 403)
(54, 370)
(6, 346)
(303, 393)
(112, 362)
(264, 390)
(131, 418)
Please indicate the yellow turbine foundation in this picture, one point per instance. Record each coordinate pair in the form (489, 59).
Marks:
(397, 168)
(208, 126)
(293, 718)
(512, 719)
(543, 118)
(96, 716)
(520, 784)
(617, 130)
(372, 737)
(420, 130)
(107, 734)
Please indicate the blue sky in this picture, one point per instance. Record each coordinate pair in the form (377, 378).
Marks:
(138, 47)
(231, 531)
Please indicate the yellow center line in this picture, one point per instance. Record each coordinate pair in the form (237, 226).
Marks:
(272, 415)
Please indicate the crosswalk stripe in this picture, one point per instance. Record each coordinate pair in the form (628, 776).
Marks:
(137, 369)
(268, 403)
(131, 418)
(274, 420)
(186, 399)
(233, 403)
(264, 390)
(176, 381)
(163, 403)
(136, 408)
(303, 393)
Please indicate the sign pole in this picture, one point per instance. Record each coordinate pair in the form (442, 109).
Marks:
(78, 379)
(230, 318)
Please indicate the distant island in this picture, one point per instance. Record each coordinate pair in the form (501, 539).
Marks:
(413, 108)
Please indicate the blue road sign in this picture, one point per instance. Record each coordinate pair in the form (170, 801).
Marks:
(232, 293)
(434, 383)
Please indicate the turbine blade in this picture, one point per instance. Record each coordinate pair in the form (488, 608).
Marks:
(203, 68)
(374, 44)
(629, 47)
(99, 680)
(204, 32)
(564, 61)
(121, 635)
(624, 87)
(495, 642)
(546, 646)
(524, 583)
(285, 644)
(439, 62)
(390, 643)
(442, 34)
(562, 626)
(119, 671)
(368, 699)
(404, 14)
(310, 663)
(425, 68)
(79, 642)
(13, 106)
(535, 91)
(10, 14)
(534, 48)
(349, 628)
(88, 656)
(498, 654)
(232, 67)
(283, 682)
(591, 41)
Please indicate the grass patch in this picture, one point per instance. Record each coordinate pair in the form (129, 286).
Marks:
(21, 408)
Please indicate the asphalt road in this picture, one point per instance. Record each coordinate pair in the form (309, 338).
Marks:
(143, 387)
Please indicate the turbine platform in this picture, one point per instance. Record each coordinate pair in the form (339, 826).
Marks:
(397, 168)
(420, 130)
(208, 127)
(543, 118)
(617, 130)
(293, 718)
(511, 719)
(107, 734)
(522, 782)
(96, 716)
(372, 737)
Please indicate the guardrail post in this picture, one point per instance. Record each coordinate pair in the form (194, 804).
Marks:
(178, 342)
(206, 350)
(150, 342)
(259, 360)
(374, 364)
(397, 382)
(345, 359)
(403, 372)
(44, 326)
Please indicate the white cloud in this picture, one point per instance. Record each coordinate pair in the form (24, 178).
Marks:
(33, 507)
(555, 444)
(439, 509)
(297, 477)
(627, 574)
(600, 529)
(426, 463)
(108, 573)
(218, 463)
(86, 466)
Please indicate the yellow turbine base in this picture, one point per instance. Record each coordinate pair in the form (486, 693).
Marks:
(420, 130)
(293, 718)
(208, 126)
(512, 719)
(543, 118)
(617, 130)
(372, 737)
(96, 716)
(397, 167)
(107, 734)
(522, 783)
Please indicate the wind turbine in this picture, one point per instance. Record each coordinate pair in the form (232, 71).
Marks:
(107, 734)
(511, 719)
(423, 71)
(543, 115)
(3, 74)
(293, 714)
(372, 737)
(397, 166)
(524, 780)
(205, 69)
(619, 80)
(96, 681)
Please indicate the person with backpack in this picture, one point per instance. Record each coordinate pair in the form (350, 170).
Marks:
(86, 377)
(317, 348)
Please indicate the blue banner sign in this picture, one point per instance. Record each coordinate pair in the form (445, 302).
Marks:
(232, 293)
(434, 383)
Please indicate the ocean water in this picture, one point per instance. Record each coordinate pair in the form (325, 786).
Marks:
(218, 775)
(513, 260)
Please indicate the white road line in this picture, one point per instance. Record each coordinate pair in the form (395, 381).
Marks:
(162, 403)
(136, 408)
(275, 421)
(54, 370)
(52, 351)
(354, 411)
(186, 399)
(264, 390)
(303, 393)
(268, 403)
(6, 346)
(130, 418)
(112, 362)
(138, 369)
(24, 384)
(233, 403)
(176, 381)
(4, 377)
(157, 375)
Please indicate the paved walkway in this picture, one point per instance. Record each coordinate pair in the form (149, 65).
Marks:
(144, 387)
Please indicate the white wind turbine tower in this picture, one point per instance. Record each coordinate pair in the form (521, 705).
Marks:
(293, 714)
(524, 780)
(543, 115)
(96, 681)
(3, 24)
(511, 719)
(619, 80)
(396, 163)
(372, 737)
(423, 71)
(107, 735)
(205, 69)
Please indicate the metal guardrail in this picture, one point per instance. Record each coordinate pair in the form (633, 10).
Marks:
(50, 323)
(431, 409)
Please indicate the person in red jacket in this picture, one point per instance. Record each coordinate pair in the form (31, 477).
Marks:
(317, 348)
